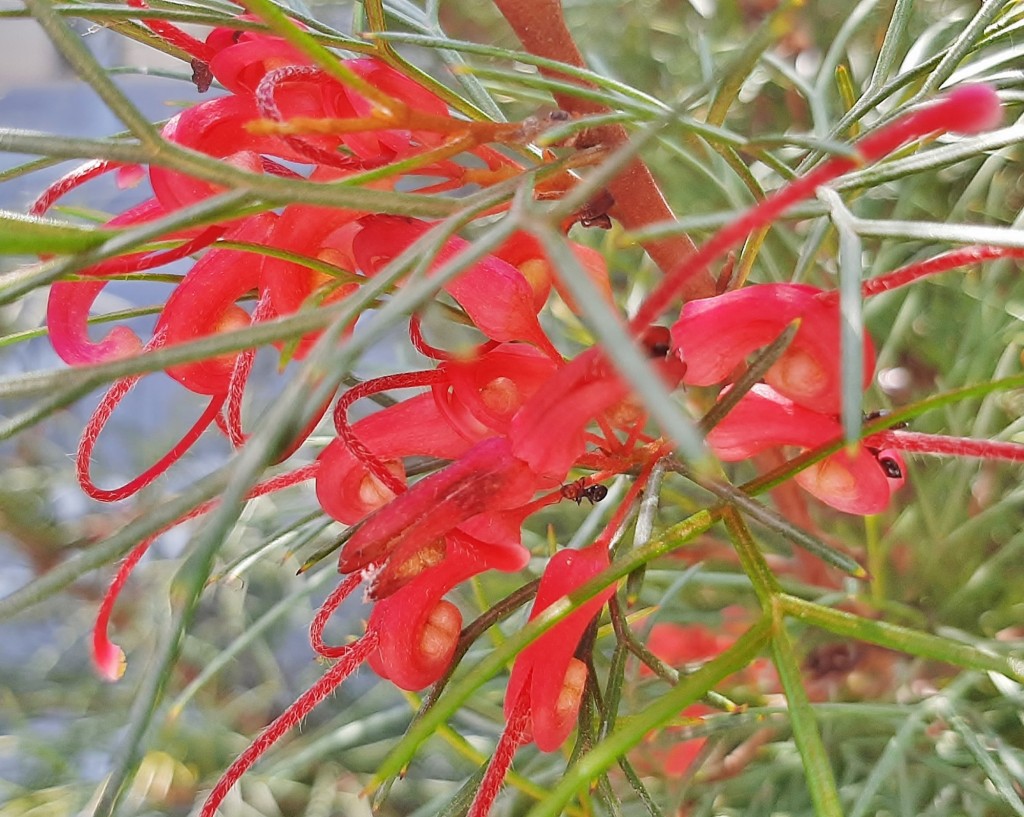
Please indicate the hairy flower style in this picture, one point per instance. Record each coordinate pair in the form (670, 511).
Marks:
(966, 109)
(410, 638)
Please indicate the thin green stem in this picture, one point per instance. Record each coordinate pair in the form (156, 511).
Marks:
(817, 769)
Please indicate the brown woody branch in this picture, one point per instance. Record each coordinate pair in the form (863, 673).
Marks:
(541, 29)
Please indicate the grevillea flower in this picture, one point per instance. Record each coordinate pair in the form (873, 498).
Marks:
(497, 296)
(217, 128)
(715, 335)
(348, 490)
(547, 683)
(546, 672)
(204, 303)
(410, 638)
(323, 234)
(469, 401)
(419, 629)
(549, 432)
(69, 302)
(861, 483)
(527, 254)
(486, 478)
(545, 439)
(513, 417)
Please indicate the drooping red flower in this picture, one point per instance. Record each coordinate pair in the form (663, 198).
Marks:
(486, 478)
(549, 432)
(546, 671)
(496, 296)
(860, 483)
(205, 303)
(713, 336)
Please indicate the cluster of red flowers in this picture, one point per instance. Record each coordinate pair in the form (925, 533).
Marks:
(515, 418)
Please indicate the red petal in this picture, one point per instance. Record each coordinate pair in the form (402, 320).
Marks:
(412, 427)
(544, 663)
(764, 419)
(487, 477)
(204, 303)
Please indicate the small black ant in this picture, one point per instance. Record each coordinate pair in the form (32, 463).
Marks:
(871, 416)
(579, 490)
(890, 467)
(657, 341)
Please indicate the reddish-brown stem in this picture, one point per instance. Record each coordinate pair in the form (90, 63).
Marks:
(540, 27)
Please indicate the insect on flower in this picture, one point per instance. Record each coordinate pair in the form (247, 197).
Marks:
(579, 490)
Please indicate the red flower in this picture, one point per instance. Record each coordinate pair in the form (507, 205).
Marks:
(546, 673)
(418, 629)
(861, 483)
(496, 296)
(713, 336)
(204, 303)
